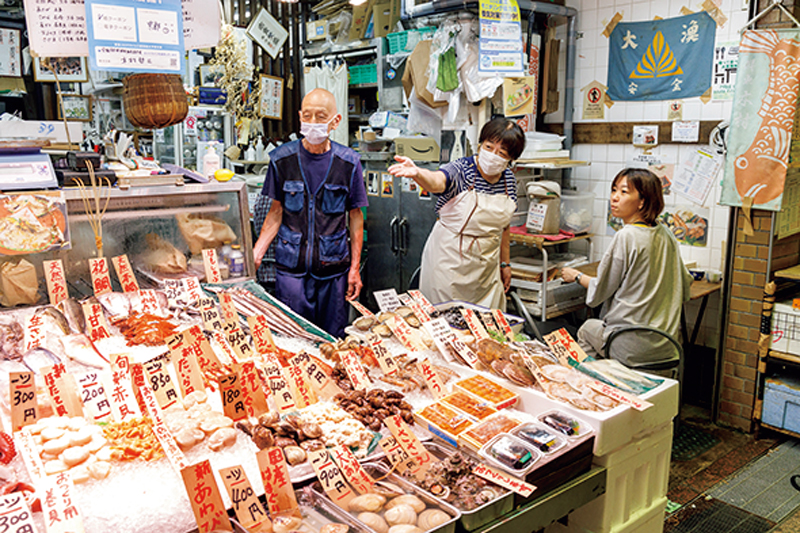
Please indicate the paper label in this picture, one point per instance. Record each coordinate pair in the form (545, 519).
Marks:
(176, 293)
(96, 406)
(212, 319)
(125, 273)
(192, 287)
(360, 308)
(385, 360)
(161, 383)
(564, 346)
(255, 401)
(262, 336)
(322, 384)
(352, 365)
(138, 381)
(432, 379)
(277, 485)
(96, 325)
(278, 385)
(407, 337)
(504, 480)
(222, 342)
(249, 511)
(101, 279)
(232, 397)
(59, 504)
(229, 313)
(475, 326)
(22, 388)
(62, 390)
(540, 378)
(387, 300)
(537, 212)
(331, 478)
(120, 390)
(240, 342)
(353, 472)
(211, 264)
(620, 396)
(15, 515)
(185, 349)
(302, 391)
(26, 446)
(488, 319)
(150, 302)
(209, 511)
(500, 320)
(419, 312)
(441, 333)
(398, 457)
(426, 305)
(56, 282)
(409, 442)
(162, 432)
(34, 331)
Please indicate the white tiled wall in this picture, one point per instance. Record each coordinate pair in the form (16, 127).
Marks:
(607, 160)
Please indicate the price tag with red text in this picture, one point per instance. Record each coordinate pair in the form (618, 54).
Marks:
(96, 325)
(192, 287)
(211, 264)
(387, 300)
(277, 485)
(56, 281)
(500, 320)
(385, 360)
(621, 396)
(407, 337)
(101, 279)
(564, 346)
(262, 336)
(352, 365)
(185, 350)
(255, 401)
(120, 389)
(249, 511)
(62, 390)
(398, 457)
(23, 399)
(409, 442)
(475, 326)
(301, 388)
(162, 432)
(426, 305)
(504, 480)
(161, 382)
(321, 383)
(360, 308)
(28, 449)
(93, 395)
(59, 506)
(432, 379)
(209, 511)
(232, 397)
(212, 319)
(488, 320)
(229, 313)
(125, 273)
(331, 478)
(34, 331)
(540, 378)
(353, 472)
(278, 386)
(239, 341)
(15, 515)
(175, 292)
(150, 303)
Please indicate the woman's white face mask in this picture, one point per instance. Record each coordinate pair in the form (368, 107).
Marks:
(315, 133)
(491, 164)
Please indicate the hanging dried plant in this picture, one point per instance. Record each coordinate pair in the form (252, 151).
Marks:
(236, 81)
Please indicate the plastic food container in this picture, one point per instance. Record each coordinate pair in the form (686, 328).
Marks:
(469, 404)
(444, 421)
(567, 425)
(542, 437)
(576, 211)
(511, 454)
(481, 433)
(489, 391)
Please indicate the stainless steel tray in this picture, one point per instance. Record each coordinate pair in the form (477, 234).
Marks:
(380, 471)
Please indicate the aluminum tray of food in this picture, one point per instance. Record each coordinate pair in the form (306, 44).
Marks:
(451, 479)
(397, 506)
(451, 312)
(318, 515)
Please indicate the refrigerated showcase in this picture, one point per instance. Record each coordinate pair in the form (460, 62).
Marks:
(203, 126)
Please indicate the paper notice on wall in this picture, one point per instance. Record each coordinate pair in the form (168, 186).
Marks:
(726, 63)
(694, 177)
(200, 23)
(789, 215)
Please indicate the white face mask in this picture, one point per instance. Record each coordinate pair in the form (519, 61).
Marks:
(315, 133)
(491, 164)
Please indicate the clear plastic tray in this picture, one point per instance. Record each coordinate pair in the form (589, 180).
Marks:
(578, 426)
(557, 439)
(486, 453)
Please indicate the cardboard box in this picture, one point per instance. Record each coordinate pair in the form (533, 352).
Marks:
(354, 105)
(416, 74)
(362, 15)
(316, 29)
(782, 403)
(417, 148)
(383, 19)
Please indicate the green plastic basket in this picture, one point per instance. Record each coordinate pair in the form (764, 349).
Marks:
(397, 41)
(360, 74)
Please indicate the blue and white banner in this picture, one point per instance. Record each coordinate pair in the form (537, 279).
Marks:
(668, 59)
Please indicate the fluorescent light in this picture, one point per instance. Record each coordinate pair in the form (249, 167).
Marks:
(357, 2)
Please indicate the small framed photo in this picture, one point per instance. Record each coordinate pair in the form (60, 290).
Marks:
(77, 107)
(210, 75)
(10, 53)
(69, 69)
(271, 103)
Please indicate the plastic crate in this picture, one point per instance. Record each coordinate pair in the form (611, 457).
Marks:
(397, 41)
(360, 74)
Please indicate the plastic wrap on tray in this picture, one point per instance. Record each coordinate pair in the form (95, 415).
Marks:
(444, 421)
(478, 435)
(488, 390)
(565, 424)
(469, 404)
(543, 437)
(511, 454)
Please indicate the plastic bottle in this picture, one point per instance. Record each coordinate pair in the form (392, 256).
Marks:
(250, 153)
(210, 163)
(225, 253)
(260, 152)
(236, 261)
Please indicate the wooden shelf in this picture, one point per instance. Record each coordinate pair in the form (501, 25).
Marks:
(538, 241)
(785, 357)
(555, 163)
(789, 432)
(789, 273)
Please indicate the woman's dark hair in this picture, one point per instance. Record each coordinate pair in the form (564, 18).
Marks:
(505, 132)
(648, 185)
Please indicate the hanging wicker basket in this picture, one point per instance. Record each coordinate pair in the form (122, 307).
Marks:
(154, 101)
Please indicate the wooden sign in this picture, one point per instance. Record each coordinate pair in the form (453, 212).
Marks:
(387, 300)
(150, 303)
(192, 287)
(101, 279)
(161, 383)
(353, 472)
(504, 480)
(360, 308)
(96, 326)
(249, 511)
(125, 274)
(278, 385)
(384, 358)
(262, 336)
(96, 406)
(409, 442)
(321, 383)
(22, 388)
(184, 347)
(63, 515)
(239, 341)
(441, 333)
(277, 485)
(407, 337)
(501, 321)
(212, 318)
(34, 331)
(15, 514)
(232, 397)
(62, 390)
(28, 449)
(426, 305)
(162, 432)
(419, 312)
(255, 401)
(432, 379)
(398, 457)
(209, 511)
(331, 478)
(222, 342)
(352, 365)
(120, 390)
(211, 264)
(488, 320)
(475, 326)
(301, 389)
(564, 346)
(56, 282)
(229, 313)
(176, 293)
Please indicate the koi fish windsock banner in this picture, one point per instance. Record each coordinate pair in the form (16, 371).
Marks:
(667, 59)
(761, 138)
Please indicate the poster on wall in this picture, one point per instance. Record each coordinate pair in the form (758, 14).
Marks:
(500, 37)
(726, 62)
(689, 224)
(10, 56)
(764, 105)
(696, 174)
(664, 59)
(789, 217)
(271, 102)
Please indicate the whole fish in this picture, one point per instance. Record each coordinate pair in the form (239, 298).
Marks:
(54, 320)
(80, 349)
(12, 337)
(114, 303)
(73, 311)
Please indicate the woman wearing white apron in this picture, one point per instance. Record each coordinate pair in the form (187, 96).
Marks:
(467, 254)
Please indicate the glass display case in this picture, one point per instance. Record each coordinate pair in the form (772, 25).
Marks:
(162, 229)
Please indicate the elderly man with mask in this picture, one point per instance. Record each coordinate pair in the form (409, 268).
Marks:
(317, 193)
